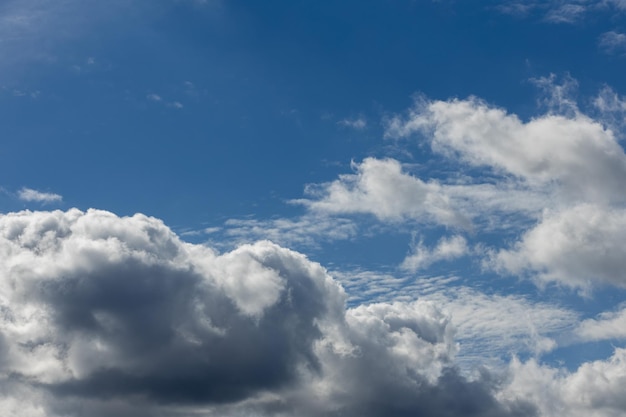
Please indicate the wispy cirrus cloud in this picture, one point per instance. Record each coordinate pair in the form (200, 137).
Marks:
(613, 42)
(560, 11)
(305, 231)
(489, 327)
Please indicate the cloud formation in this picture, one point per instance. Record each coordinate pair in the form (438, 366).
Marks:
(117, 315)
(595, 389)
(561, 11)
(613, 42)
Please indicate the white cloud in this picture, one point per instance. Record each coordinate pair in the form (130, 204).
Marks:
(28, 194)
(558, 95)
(561, 11)
(612, 109)
(381, 188)
(446, 250)
(576, 153)
(613, 42)
(607, 326)
(566, 13)
(578, 247)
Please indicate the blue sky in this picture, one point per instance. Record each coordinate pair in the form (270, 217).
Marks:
(455, 167)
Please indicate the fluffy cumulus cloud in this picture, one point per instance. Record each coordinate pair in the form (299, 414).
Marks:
(382, 188)
(608, 325)
(577, 247)
(595, 389)
(571, 163)
(576, 153)
(116, 316)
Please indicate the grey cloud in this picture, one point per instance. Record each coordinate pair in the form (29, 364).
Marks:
(103, 315)
(130, 312)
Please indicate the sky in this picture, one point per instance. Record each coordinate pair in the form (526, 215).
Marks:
(308, 208)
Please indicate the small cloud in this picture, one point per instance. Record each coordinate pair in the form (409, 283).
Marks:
(567, 13)
(558, 94)
(446, 250)
(28, 194)
(358, 123)
(206, 231)
(516, 9)
(158, 99)
(613, 43)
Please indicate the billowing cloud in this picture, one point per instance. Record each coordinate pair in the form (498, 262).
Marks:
(117, 315)
(100, 306)
(28, 194)
(577, 247)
